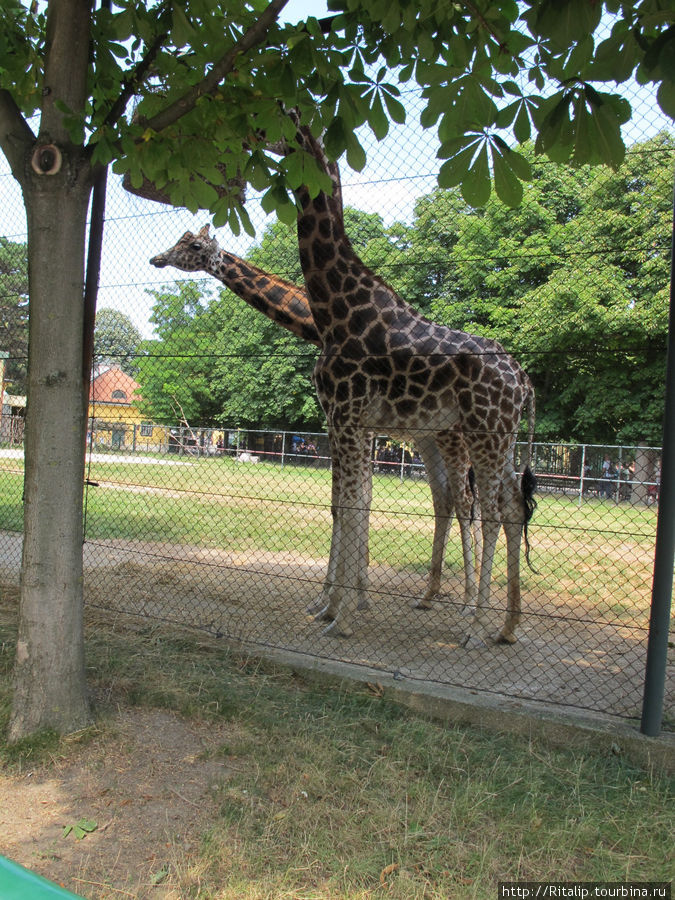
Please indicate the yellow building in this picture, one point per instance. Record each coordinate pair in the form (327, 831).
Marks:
(115, 420)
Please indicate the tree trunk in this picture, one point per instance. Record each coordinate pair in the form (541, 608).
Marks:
(49, 675)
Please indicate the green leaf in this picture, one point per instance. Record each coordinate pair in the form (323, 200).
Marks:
(507, 114)
(509, 189)
(520, 165)
(666, 98)
(377, 118)
(615, 58)
(521, 127)
(395, 109)
(456, 169)
(287, 213)
(80, 829)
(182, 32)
(159, 877)
(335, 138)
(476, 186)
(607, 136)
(295, 165)
(246, 221)
(566, 22)
(356, 155)
(583, 140)
(202, 193)
(454, 145)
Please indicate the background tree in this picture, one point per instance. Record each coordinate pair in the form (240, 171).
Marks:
(224, 363)
(116, 340)
(175, 371)
(209, 77)
(559, 283)
(14, 313)
(261, 373)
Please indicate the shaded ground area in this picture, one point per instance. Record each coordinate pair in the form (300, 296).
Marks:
(566, 653)
(147, 786)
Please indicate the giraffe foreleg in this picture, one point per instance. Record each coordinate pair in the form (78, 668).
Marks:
(512, 517)
(324, 608)
(441, 496)
(353, 513)
(490, 529)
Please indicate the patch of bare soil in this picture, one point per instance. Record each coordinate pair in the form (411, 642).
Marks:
(147, 782)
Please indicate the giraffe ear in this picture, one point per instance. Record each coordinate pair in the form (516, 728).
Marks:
(204, 232)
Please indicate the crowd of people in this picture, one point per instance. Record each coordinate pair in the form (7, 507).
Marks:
(617, 480)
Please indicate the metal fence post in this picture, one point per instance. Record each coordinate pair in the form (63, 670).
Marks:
(664, 554)
(582, 474)
(283, 449)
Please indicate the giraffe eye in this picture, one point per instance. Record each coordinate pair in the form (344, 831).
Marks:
(195, 246)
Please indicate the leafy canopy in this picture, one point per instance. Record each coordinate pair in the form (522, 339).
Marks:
(14, 313)
(116, 340)
(208, 80)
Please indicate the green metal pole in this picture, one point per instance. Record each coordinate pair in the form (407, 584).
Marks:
(664, 554)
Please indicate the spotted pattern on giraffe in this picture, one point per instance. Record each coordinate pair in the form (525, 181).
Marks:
(420, 377)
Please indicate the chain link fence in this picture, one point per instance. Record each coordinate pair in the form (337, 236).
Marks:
(208, 492)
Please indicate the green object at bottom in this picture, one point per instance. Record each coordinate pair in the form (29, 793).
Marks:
(17, 883)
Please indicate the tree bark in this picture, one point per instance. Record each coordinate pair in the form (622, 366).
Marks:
(49, 675)
(56, 178)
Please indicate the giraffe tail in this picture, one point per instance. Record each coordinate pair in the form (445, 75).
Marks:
(528, 484)
(472, 488)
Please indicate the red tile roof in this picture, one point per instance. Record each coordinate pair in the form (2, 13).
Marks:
(113, 386)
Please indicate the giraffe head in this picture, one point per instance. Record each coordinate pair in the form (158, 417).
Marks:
(190, 254)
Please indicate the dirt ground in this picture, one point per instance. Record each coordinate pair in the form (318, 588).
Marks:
(591, 657)
(148, 785)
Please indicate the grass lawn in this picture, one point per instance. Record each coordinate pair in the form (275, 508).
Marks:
(341, 793)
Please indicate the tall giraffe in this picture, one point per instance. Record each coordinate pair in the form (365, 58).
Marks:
(383, 366)
(445, 459)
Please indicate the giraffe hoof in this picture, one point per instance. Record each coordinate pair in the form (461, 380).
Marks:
(335, 629)
(423, 604)
(502, 638)
(317, 607)
(324, 615)
(364, 603)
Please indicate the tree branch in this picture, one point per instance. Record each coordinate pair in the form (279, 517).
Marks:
(16, 136)
(133, 81)
(208, 85)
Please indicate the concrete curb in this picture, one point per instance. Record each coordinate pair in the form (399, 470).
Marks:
(556, 725)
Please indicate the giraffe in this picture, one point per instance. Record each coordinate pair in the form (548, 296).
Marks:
(445, 459)
(384, 366)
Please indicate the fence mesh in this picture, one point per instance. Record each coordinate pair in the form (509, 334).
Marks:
(208, 494)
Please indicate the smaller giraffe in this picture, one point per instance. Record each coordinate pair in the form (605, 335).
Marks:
(444, 455)
(281, 301)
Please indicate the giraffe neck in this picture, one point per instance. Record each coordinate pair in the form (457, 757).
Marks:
(336, 278)
(281, 301)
